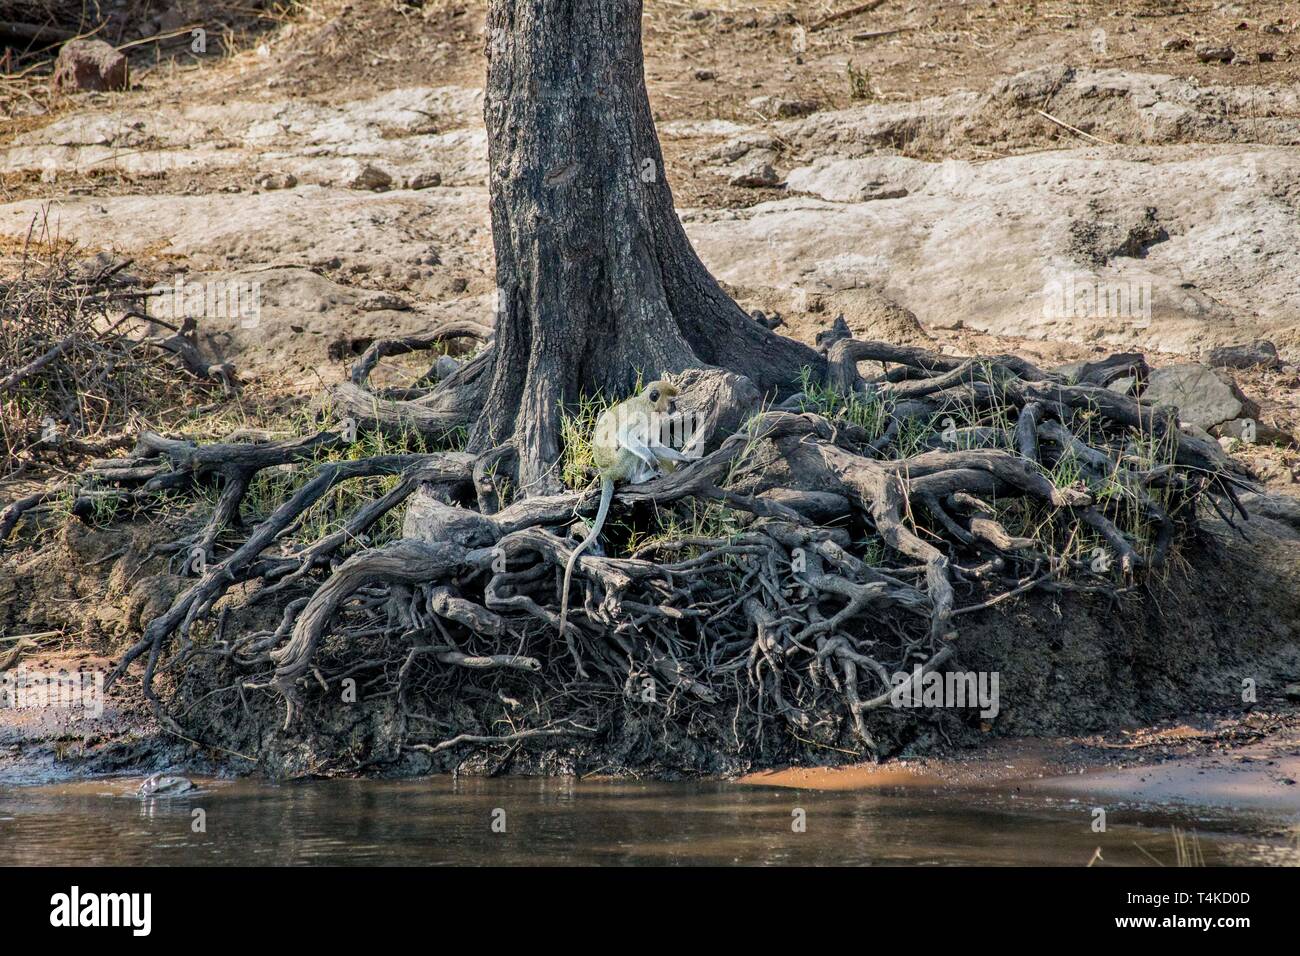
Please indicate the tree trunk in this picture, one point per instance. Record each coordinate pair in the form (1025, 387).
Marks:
(596, 280)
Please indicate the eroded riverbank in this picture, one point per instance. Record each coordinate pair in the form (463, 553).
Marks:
(1248, 762)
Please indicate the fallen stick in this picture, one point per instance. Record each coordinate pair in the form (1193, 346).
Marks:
(877, 34)
(845, 14)
(503, 739)
(13, 654)
(34, 32)
(32, 637)
(12, 380)
(1073, 129)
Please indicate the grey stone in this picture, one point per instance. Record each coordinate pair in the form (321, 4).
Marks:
(271, 181)
(1252, 431)
(755, 173)
(1203, 396)
(778, 108)
(372, 178)
(1124, 386)
(1260, 352)
(162, 785)
(424, 181)
(1283, 509)
(445, 367)
(1215, 54)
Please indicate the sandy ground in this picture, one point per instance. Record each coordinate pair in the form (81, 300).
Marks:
(1251, 761)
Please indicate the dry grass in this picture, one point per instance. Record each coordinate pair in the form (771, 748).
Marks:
(76, 374)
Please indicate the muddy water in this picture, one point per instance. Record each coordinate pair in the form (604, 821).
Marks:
(445, 821)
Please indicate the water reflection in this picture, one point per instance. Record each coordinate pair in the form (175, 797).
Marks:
(442, 821)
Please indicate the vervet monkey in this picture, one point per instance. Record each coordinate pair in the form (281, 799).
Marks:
(626, 447)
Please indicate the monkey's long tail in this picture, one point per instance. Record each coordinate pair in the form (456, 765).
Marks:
(606, 495)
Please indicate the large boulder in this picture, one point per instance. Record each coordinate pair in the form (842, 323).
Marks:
(90, 65)
(1204, 397)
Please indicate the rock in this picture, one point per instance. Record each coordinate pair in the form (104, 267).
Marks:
(844, 231)
(1031, 86)
(705, 75)
(90, 65)
(1284, 509)
(1215, 54)
(424, 181)
(383, 300)
(754, 174)
(1260, 352)
(1070, 371)
(1253, 432)
(269, 181)
(372, 178)
(739, 147)
(1204, 397)
(865, 180)
(300, 314)
(775, 106)
(445, 367)
(1239, 429)
(1124, 386)
(1175, 43)
(990, 235)
(162, 785)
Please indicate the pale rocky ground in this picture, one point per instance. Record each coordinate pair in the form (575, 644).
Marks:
(1062, 181)
(1200, 244)
(367, 217)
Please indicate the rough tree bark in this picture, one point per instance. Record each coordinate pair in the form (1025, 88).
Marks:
(597, 282)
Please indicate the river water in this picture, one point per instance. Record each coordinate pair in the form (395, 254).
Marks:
(520, 821)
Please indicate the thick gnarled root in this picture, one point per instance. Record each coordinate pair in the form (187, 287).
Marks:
(846, 533)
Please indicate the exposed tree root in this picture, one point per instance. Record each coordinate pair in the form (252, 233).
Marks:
(840, 546)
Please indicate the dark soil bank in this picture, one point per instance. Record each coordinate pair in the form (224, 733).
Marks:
(1067, 664)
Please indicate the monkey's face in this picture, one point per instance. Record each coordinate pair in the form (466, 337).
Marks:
(660, 395)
